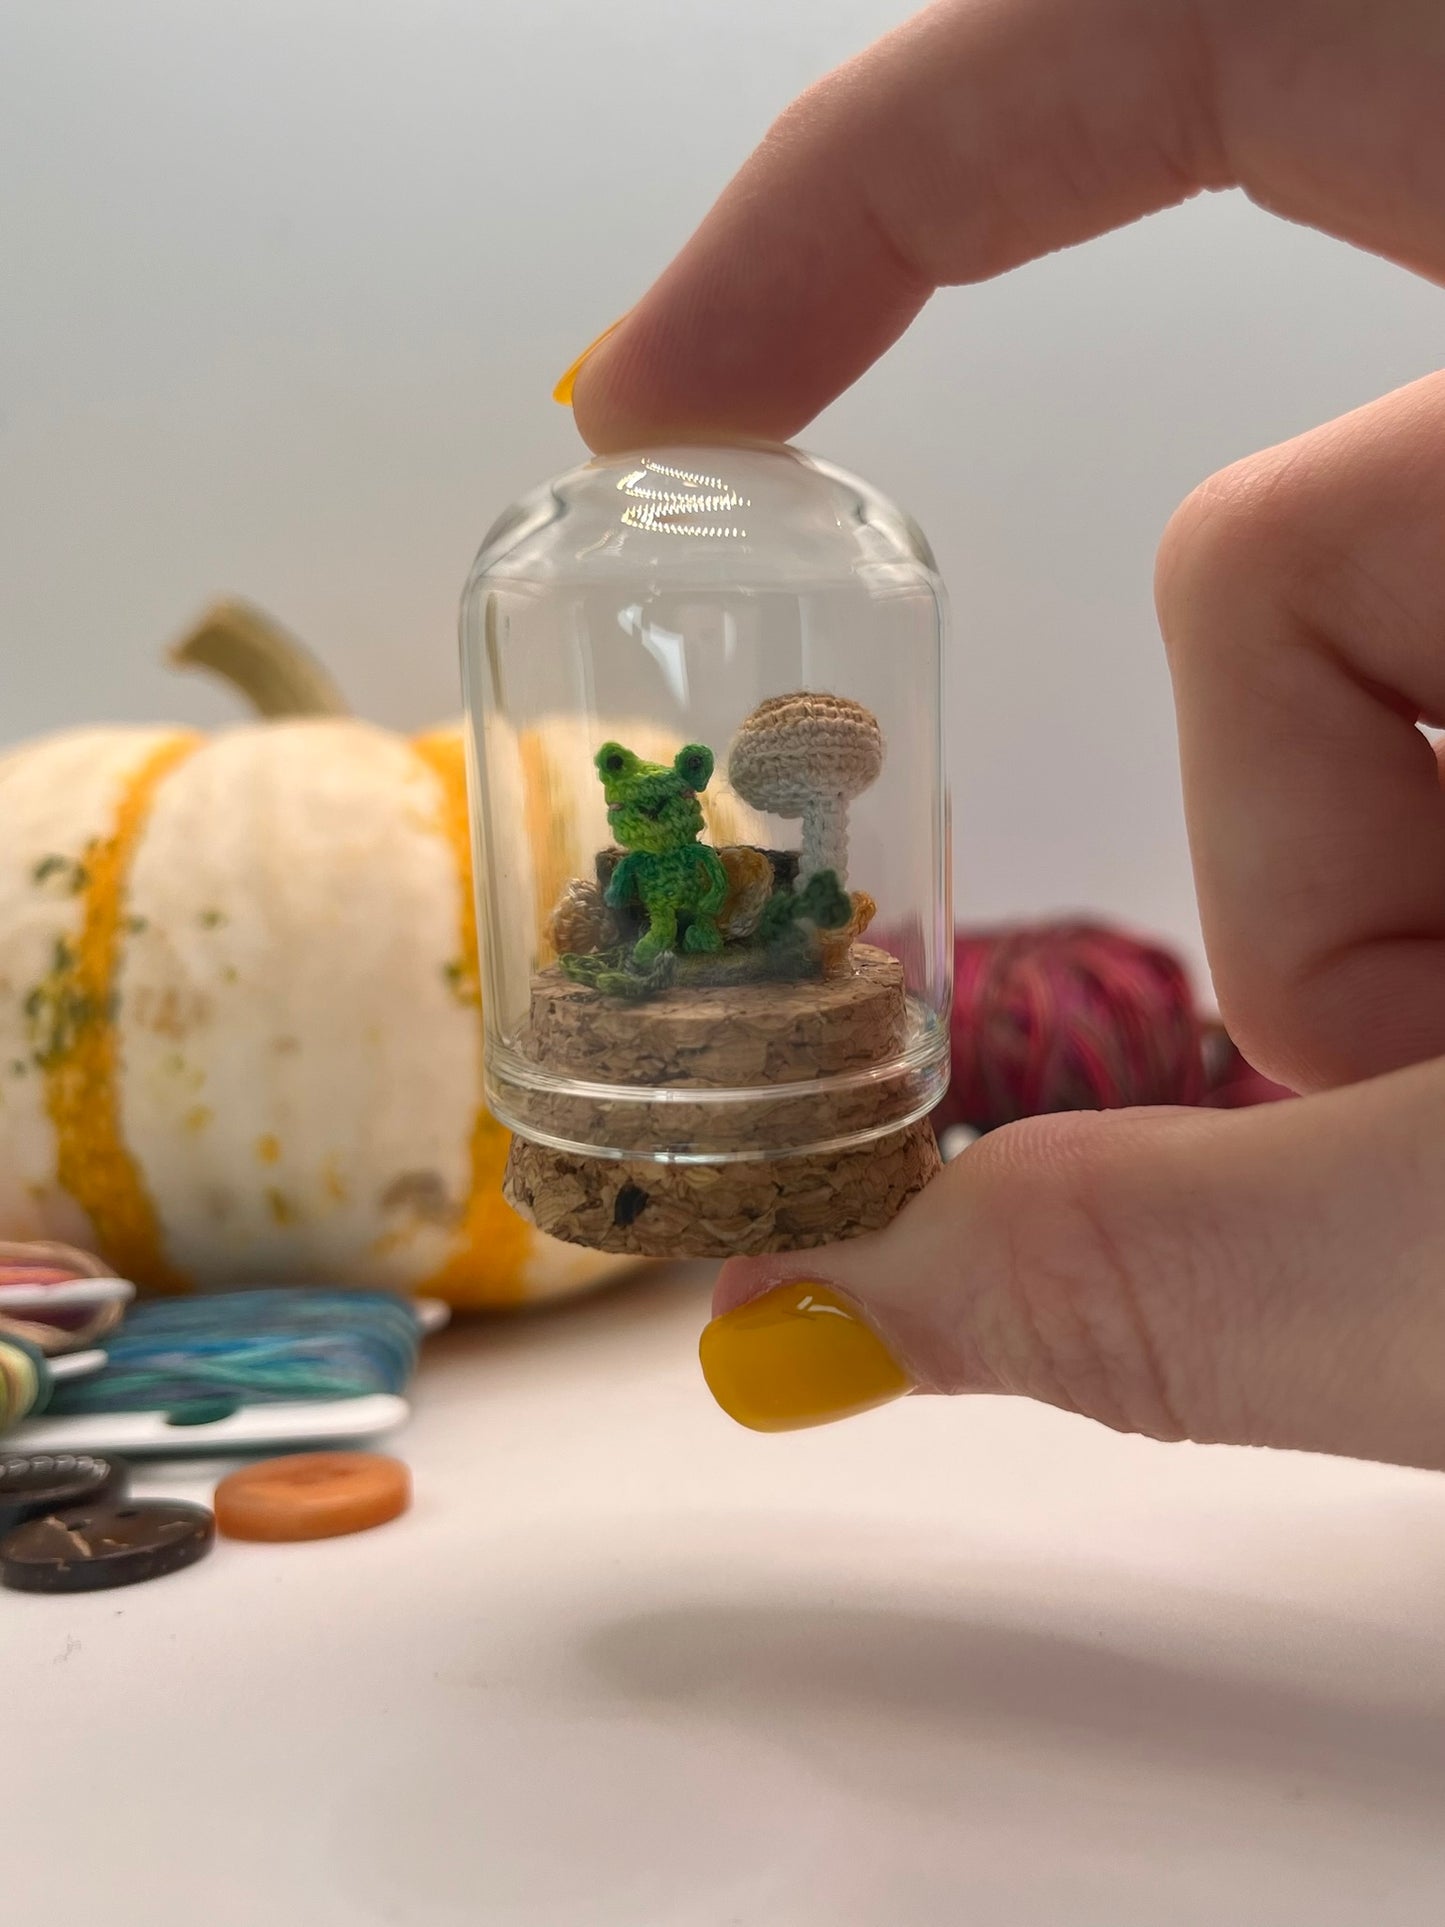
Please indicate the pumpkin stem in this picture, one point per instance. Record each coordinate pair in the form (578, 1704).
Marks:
(275, 672)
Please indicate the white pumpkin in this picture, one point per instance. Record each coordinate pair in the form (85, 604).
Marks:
(239, 1002)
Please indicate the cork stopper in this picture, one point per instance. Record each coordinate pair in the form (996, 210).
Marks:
(806, 1149)
(651, 1210)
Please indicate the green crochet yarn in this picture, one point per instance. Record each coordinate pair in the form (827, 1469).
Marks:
(822, 904)
(784, 950)
(614, 972)
(678, 883)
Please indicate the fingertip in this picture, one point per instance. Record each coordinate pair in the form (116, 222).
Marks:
(857, 1266)
(710, 354)
(604, 385)
(589, 395)
(652, 380)
(800, 1354)
(742, 1279)
(880, 1276)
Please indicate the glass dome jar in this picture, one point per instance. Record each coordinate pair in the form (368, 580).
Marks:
(704, 699)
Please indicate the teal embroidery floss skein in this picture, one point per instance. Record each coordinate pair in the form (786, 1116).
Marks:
(196, 1359)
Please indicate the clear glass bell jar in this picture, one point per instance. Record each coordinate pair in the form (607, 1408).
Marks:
(704, 698)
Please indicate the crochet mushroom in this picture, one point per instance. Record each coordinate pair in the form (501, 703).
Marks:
(808, 755)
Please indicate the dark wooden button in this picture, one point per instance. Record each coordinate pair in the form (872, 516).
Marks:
(34, 1483)
(88, 1548)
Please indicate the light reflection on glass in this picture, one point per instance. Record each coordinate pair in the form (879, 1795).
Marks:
(659, 510)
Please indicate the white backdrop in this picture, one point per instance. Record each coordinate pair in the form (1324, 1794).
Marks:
(284, 285)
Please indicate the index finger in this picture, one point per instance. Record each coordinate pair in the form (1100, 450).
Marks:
(987, 132)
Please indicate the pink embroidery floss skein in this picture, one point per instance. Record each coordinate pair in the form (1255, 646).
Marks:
(1068, 1017)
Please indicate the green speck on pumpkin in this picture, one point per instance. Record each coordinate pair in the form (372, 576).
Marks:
(212, 919)
(136, 925)
(461, 980)
(75, 874)
(55, 1015)
(283, 1212)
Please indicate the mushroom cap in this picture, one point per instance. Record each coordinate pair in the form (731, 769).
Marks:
(793, 750)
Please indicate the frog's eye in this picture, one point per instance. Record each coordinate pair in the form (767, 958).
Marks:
(613, 760)
(693, 764)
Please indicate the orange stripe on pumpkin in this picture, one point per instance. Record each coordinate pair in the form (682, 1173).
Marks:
(82, 1064)
(487, 1264)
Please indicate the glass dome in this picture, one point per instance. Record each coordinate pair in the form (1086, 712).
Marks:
(705, 711)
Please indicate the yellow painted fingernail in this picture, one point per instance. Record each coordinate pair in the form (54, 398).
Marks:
(568, 381)
(799, 1355)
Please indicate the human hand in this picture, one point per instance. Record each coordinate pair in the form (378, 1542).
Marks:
(1273, 1276)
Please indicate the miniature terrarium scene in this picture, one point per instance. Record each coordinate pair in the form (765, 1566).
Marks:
(712, 876)
(665, 908)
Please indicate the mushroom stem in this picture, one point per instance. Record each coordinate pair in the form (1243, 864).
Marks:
(825, 840)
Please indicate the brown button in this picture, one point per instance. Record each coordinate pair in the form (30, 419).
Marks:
(34, 1483)
(315, 1495)
(88, 1548)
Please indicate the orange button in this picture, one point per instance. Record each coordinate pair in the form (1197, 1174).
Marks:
(315, 1495)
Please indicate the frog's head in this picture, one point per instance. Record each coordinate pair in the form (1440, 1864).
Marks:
(650, 806)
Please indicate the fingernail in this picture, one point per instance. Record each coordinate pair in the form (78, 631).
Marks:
(799, 1355)
(568, 381)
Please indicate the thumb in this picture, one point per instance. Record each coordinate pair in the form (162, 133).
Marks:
(1269, 1277)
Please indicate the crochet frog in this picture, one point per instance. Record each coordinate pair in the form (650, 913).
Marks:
(679, 884)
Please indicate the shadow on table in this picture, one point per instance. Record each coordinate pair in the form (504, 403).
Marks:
(829, 1677)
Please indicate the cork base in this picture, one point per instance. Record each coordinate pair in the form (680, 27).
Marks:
(651, 1210)
(822, 1063)
(819, 1061)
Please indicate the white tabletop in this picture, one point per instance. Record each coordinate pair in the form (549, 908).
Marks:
(625, 1665)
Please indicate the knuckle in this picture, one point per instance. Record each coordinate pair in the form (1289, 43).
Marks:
(1232, 539)
(1083, 1322)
